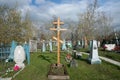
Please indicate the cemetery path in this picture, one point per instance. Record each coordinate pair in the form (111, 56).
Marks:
(106, 59)
(110, 61)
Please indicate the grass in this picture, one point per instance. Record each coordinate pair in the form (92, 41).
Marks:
(4, 67)
(40, 64)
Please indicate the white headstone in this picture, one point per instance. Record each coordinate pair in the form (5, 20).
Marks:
(50, 44)
(33, 45)
(93, 57)
(19, 56)
(98, 42)
(64, 45)
(43, 46)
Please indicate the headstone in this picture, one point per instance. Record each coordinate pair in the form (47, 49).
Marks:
(79, 43)
(77, 55)
(73, 63)
(47, 45)
(83, 43)
(19, 56)
(98, 43)
(93, 57)
(90, 45)
(12, 49)
(50, 44)
(69, 43)
(64, 45)
(43, 46)
(27, 51)
(33, 45)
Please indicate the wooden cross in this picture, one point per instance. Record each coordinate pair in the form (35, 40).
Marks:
(58, 29)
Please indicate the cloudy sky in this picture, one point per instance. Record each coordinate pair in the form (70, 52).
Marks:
(66, 9)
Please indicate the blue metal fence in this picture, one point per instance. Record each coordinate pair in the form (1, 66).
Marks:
(4, 52)
(7, 52)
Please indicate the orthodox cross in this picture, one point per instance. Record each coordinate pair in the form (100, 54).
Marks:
(58, 29)
(56, 39)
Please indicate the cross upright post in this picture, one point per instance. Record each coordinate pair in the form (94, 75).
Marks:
(58, 29)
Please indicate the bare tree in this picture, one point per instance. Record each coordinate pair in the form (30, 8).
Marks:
(71, 26)
(94, 24)
(86, 22)
(104, 25)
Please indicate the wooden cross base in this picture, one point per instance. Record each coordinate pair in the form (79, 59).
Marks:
(58, 72)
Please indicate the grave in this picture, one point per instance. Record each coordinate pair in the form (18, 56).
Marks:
(76, 54)
(19, 56)
(27, 51)
(83, 43)
(93, 57)
(58, 71)
(69, 44)
(79, 44)
(33, 45)
(43, 46)
(12, 49)
(50, 44)
(73, 63)
(98, 43)
(64, 45)
(90, 46)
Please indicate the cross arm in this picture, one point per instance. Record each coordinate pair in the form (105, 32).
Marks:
(53, 29)
(58, 23)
